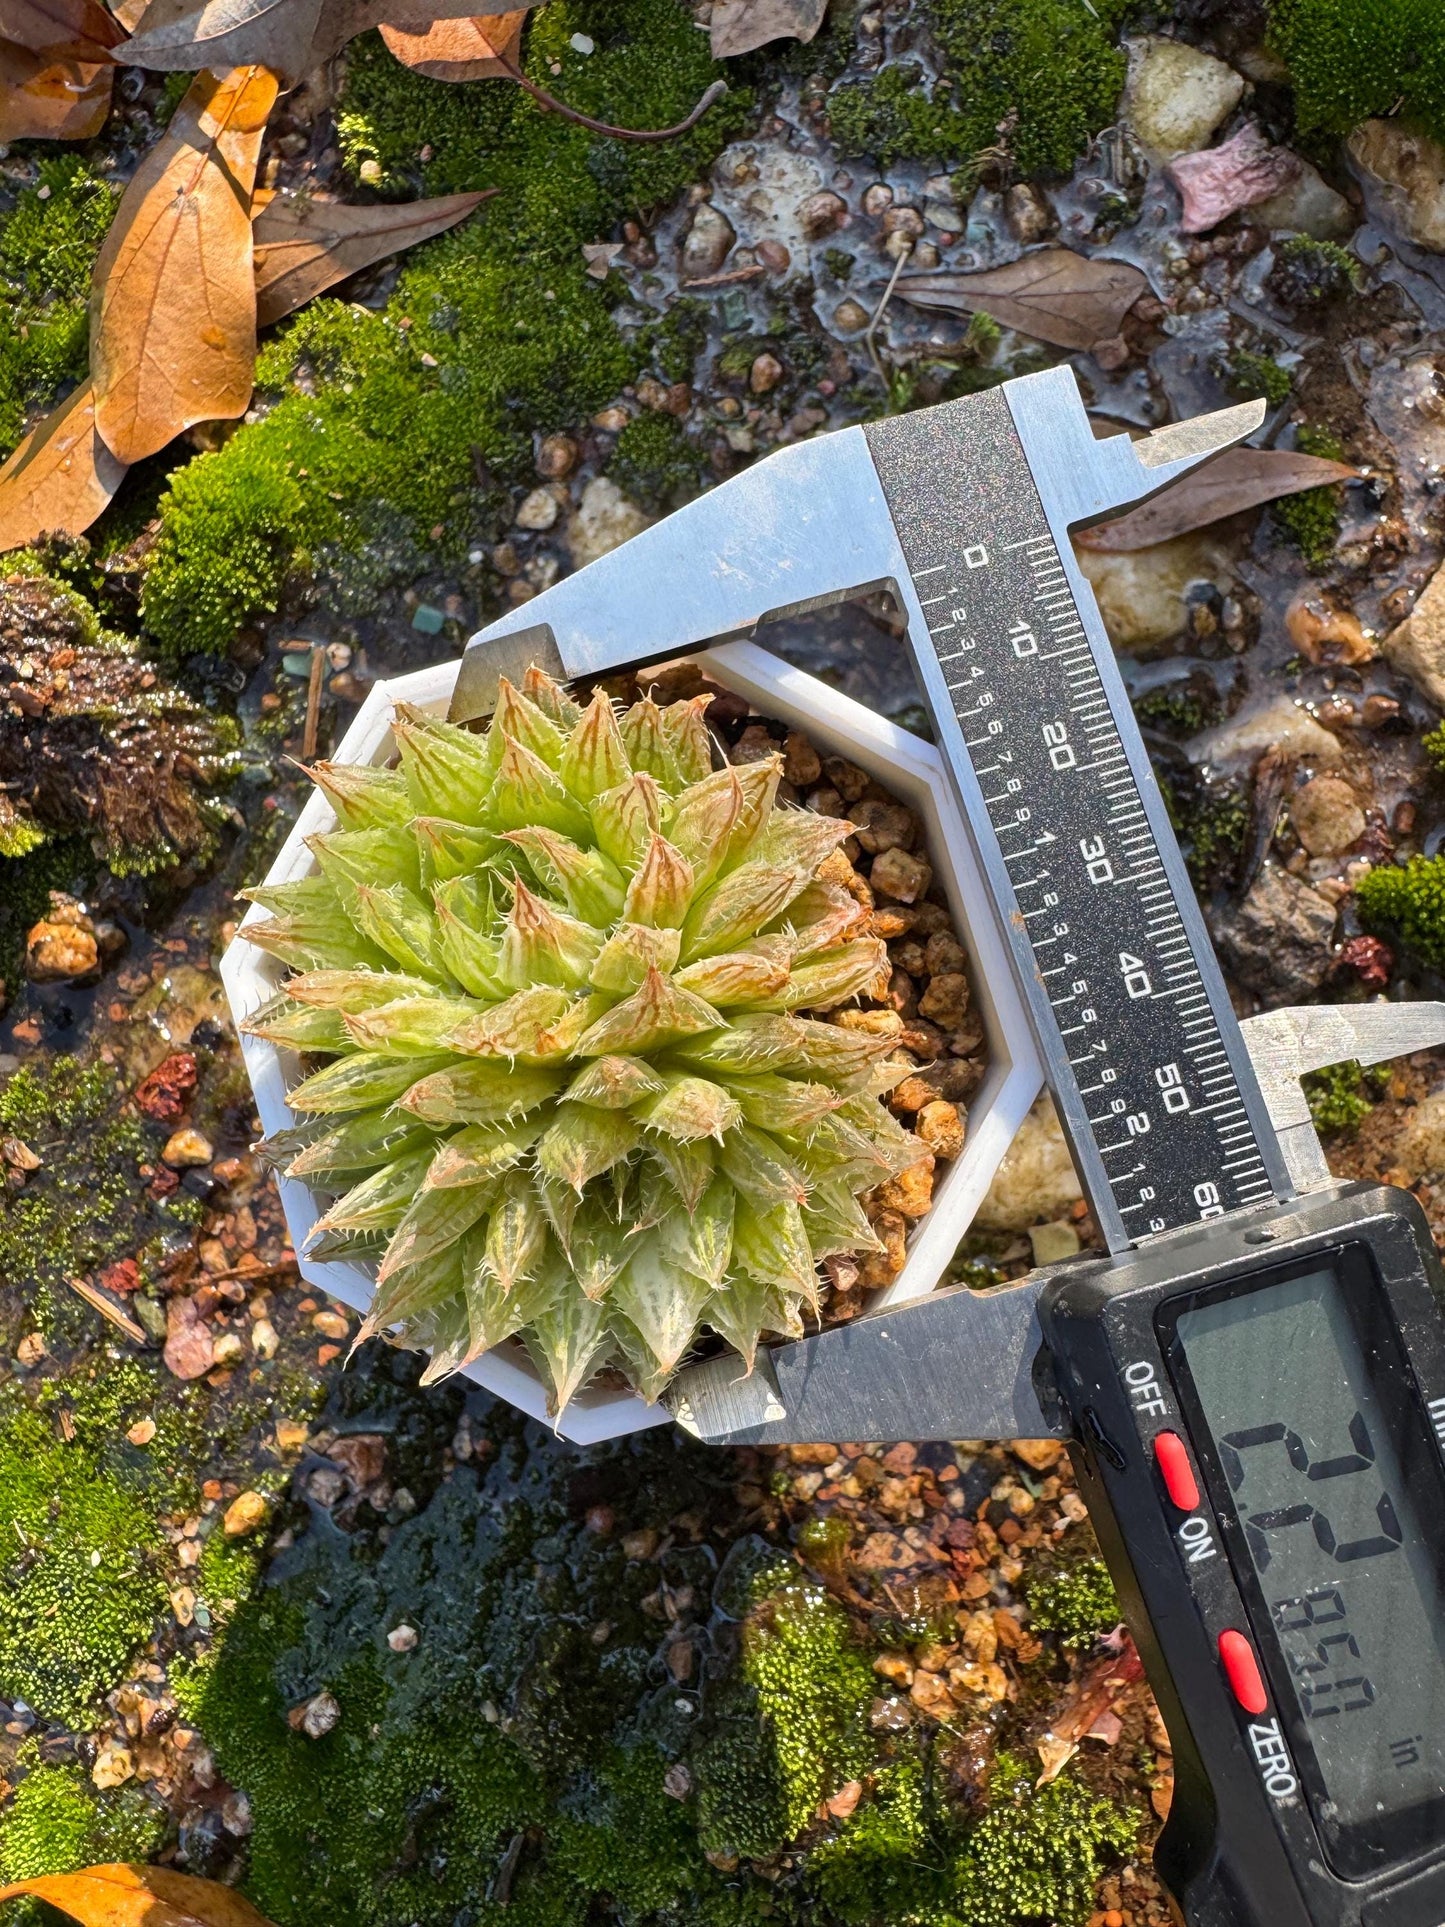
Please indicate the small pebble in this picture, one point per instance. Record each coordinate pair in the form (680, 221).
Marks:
(186, 1148)
(244, 1514)
(332, 1324)
(318, 1716)
(228, 1350)
(265, 1340)
(142, 1432)
(402, 1639)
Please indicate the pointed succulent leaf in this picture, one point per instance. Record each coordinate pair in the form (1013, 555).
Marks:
(702, 820)
(355, 990)
(471, 956)
(760, 788)
(543, 945)
(688, 1168)
(752, 976)
(446, 1332)
(550, 697)
(761, 1168)
(481, 1153)
(567, 1340)
(350, 1247)
(447, 770)
(478, 1093)
(516, 1026)
(589, 883)
(581, 1143)
(357, 1082)
(411, 1293)
(594, 757)
(647, 745)
(858, 969)
(836, 1222)
(656, 1013)
(685, 732)
(363, 798)
(410, 1024)
(661, 889)
(746, 1310)
(281, 1020)
(525, 793)
(361, 1143)
(661, 1303)
(308, 926)
(598, 1250)
(625, 818)
(630, 952)
(380, 1201)
(701, 1241)
(447, 849)
(840, 1057)
(821, 917)
(436, 1220)
(560, 1206)
(770, 1242)
(748, 1043)
(493, 1315)
(349, 857)
(689, 1107)
(525, 722)
(399, 923)
(517, 1234)
(614, 1083)
(782, 1103)
(737, 907)
(800, 838)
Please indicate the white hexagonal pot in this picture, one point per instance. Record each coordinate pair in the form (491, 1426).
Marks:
(909, 769)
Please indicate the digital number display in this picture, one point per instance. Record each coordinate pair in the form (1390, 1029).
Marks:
(1330, 1487)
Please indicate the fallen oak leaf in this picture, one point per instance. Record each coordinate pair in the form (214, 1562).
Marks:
(1240, 478)
(132, 1896)
(291, 37)
(76, 29)
(1071, 300)
(303, 247)
(173, 294)
(741, 26)
(60, 477)
(45, 97)
(472, 49)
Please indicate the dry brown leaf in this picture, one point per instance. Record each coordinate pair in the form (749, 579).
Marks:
(60, 477)
(305, 246)
(1053, 294)
(291, 36)
(44, 98)
(467, 49)
(740, 26)
(79, 29)
(173, 295)
(123, 1896)
(1240, 478)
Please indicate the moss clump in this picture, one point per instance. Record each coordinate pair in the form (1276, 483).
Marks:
(1311, 519)
(1352, 59)
(375, 463)
(1033, 79)
(1211, 821)
(1433, 744)
(1038, 1852)
(1079, 1603)
(1307, 272)
(48, 243)
(56, 1822)
(1408, 901)
(654, 462)
(1250, 374)
(1343, 1095)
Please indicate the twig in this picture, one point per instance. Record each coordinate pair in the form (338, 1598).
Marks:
(878, 313)
(722, 281)
(98, 1300)
(544, 99)
(261, 1271)
(313, 702)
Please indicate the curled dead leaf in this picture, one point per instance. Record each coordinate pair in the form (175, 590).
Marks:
(60, 477)
(740, 26)
(1053, 294)
(126, 1896)
(51, 98)
(76, 29)
(470, 49)
(303, 247)
(1240, 478)
(173, 296)
(292, 37)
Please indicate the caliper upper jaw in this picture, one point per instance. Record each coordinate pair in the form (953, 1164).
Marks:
(1286, 1044)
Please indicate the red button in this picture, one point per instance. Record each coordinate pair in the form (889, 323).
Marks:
(1241, 1669)
(1176, 1471)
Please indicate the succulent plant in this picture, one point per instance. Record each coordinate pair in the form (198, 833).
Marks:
(558, 970)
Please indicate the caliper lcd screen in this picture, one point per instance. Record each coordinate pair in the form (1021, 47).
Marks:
(1330, 1488)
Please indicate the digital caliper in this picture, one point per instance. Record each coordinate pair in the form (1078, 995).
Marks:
(1252, 1383)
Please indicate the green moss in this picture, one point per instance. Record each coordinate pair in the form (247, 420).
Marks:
(654, 462)
(1307, 272)
(48, 243)
(26, 880)
(1038, 1852)
(1311, 519)
(1211, 821)
(884, 1864)
(1251, 374)
(56, 1823)
(1433, 744)
(1353, 59)
(1343, 1095)
(814, 1686)
(1408, 902)
(374, 464)
(1035, 78)
(1078, 1603)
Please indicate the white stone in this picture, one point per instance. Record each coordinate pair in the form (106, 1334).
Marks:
(1409, 170)
(604, 520)
(1176, 96)
(1420, 1148)
(1141, 592)
(1036, 1183)
(1417, 647)
(1279, 724)
(538, 509)
(1309, 205)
